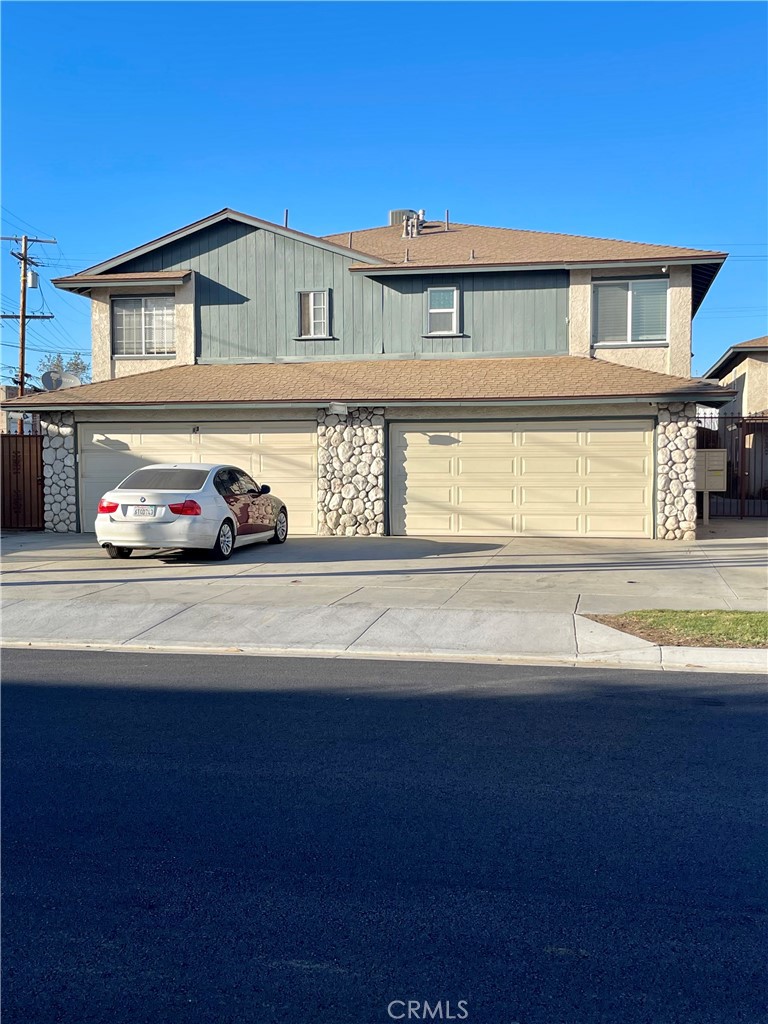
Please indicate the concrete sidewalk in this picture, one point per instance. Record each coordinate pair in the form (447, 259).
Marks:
(516, 599)
(549, 637)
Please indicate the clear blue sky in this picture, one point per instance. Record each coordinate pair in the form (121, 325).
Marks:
(123, 121)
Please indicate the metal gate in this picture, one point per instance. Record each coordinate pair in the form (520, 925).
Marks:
(745, 439)
(22, 482)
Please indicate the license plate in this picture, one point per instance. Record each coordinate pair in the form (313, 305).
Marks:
(144, 510)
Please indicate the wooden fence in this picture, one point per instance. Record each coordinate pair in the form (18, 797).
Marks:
(22, 482)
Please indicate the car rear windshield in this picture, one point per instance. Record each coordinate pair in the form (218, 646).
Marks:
(164, 480)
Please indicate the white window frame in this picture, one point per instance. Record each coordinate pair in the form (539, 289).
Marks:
(629, 341)
(454, 311)
(143, 354)
(325, 323)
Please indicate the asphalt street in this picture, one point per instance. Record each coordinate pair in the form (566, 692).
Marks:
(217, 840)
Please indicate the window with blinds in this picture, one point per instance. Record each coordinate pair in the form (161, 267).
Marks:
(144, 325)
(629, 312)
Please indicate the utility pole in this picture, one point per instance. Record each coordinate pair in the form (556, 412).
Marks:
(25, 261)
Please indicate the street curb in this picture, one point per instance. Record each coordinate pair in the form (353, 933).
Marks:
(670, 659)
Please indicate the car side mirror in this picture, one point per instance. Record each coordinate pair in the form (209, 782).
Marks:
(265, 489)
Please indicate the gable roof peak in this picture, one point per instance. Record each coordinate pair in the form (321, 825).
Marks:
(227, 213)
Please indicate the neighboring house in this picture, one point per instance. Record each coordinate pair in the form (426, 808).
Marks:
(9, 421)
(421, 378)
(744, 369)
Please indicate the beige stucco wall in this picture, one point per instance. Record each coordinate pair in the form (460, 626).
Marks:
(580, 313)
(673, 358)
(104, 367)
(680, 321)
(736, 379)
(643, 358)
(757, 383)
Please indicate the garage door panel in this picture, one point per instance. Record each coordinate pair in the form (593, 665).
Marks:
(485, 467)
(549, 465)
(285, 457)
(533, 437)
(551, 525)
(632, 433)
(630, 466)
(618, 525)
(438, 523)
(539, 479)
(628, 496)
(488, 497)
(424, 498)
(551, 495)
(485, 524)
(438, 466)
(479, 437)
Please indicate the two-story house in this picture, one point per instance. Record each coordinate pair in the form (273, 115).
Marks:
(422, 378)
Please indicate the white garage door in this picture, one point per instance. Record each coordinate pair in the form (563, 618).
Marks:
(565, 479)
(283, 455)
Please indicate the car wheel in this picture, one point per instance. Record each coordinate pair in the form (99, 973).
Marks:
(281, 528)
(225, 542)
(115, 552)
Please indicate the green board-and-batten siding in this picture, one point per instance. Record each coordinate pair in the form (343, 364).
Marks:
(513, 313)
(247, 281)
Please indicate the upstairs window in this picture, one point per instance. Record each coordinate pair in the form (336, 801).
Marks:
(313, 315)
(442, 311)
(143, 325)
(629, 312)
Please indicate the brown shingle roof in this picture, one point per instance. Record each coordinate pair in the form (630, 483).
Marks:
(435, 247)
(144, 277)
(753, 343)
(378, 381)
(735, 354)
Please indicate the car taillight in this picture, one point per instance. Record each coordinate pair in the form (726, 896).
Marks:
(186, 508)
(107, 506)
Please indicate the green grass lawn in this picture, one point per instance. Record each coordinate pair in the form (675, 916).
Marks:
(693, 629)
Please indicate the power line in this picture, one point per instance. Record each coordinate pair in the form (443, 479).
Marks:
(15, 216)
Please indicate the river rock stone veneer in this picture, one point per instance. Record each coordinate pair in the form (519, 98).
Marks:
(676, 472)
(59, 470)
(350, 472)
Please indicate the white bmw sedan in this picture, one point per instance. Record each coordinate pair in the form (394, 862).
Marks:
(189, 505)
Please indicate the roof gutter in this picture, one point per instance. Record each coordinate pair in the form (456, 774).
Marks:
(477, 268)
(702, 397)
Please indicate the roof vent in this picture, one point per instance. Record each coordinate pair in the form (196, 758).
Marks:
(396, 217)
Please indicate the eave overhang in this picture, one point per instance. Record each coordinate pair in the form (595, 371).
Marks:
(713, 397)
(82, 284)
(216, 218)
(734, 355)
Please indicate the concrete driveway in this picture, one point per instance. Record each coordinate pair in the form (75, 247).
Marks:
(725, 568)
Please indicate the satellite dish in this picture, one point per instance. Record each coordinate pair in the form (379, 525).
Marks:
(55, 380)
